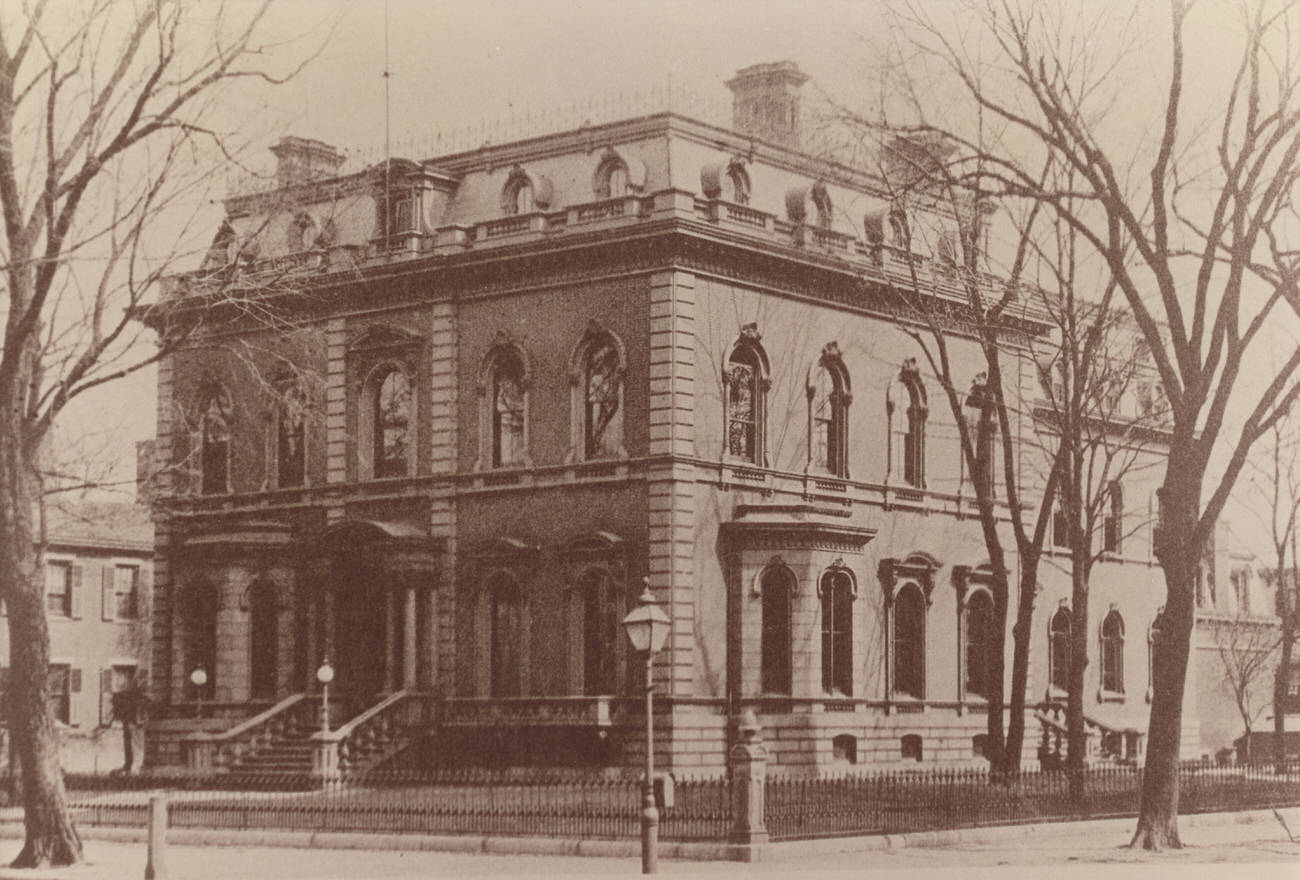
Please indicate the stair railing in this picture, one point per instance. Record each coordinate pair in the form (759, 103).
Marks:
(216, 752)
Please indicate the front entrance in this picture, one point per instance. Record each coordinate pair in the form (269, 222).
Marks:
(360, 640)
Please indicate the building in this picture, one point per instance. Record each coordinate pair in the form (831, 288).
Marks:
(98, 576)
(525, 378)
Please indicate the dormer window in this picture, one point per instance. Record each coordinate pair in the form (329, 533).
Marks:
(612, 180)
(736, 184)
(525, 192)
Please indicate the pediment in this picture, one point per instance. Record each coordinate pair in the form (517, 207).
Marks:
(381, 338)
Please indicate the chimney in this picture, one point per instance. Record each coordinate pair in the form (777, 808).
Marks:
(765, 101)
(304, 159)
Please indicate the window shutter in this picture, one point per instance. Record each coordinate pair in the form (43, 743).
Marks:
(75, 589)
(108, 596)
(105, 697)
(144, 591)
(74, 704)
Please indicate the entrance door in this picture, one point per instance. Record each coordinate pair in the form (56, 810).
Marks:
(360, 646)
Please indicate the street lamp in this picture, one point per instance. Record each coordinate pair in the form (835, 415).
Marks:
(325, 675)
(647, 626)
(198, 678)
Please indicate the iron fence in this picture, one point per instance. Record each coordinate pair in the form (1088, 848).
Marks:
(584, 805)
(495, 803)
(896, 803)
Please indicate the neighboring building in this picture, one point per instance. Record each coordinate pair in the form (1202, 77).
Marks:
(98, 584)
(527, 377)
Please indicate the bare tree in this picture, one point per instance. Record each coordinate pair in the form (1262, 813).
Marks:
(1280, 471)
(1187, 203)
(1247, 648)
(107, 141)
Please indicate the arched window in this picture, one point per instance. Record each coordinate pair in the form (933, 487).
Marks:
(504, 636)
(264, 623)
(602, 393)
(909, 642)
(837, 590)
(736, 184)
(777, 585)
(508, 405)
(1112, 653)
(1112, 533)
(745, 382)
(519, 196)
(201, 637)
(980, 643)
(612, 178)
(1153, 644)
(390, 418)
(907, 428)
(828, 402)
(821, 200)
(984, 426)
(214, 443)
(600, 632)
(290, 444)
(1058, 649)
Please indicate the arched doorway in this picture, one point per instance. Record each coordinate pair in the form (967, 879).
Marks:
(359, 638)
(369, 611)
(264, 611)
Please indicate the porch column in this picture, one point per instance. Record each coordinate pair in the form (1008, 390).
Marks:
(311, 648)
(390, 639)
(328, 636)
(408, 639)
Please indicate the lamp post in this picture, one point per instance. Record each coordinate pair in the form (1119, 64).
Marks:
(198, 678)
(647, 627)
(325, 675)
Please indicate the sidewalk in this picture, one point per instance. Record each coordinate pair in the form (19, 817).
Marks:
(1216, 842)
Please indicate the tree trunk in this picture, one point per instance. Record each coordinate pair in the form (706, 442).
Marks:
(1020, 645)
(1076, 733)
(1179, 553)
(996, 750)
(50, 837)
(1281, 682)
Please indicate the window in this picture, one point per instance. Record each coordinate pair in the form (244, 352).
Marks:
(910, 747)
(600, 632)
(508, 410)
(116, 679)
(736, 184)
(58, 588)
(980, 643)
(909, 642)
(984, 426)
(845, 748)
(821, 200)
(504, 635)
(837, 632)
(64, 681)
(1112, 653)
(1058, 649)
(214, 444)
(612, 178)
(778, 592)
(1113, 523)
(290, 449)
(1060, 528)
(390, 418)
(907, 428)
(1153, 644)
(1241, 589)
(828, 401)
(602, 391)
(401, 211)
(525, 192)
(126, 585)
(200, 610)
(746, 385)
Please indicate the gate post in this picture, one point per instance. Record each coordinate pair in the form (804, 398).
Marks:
(748, 781)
